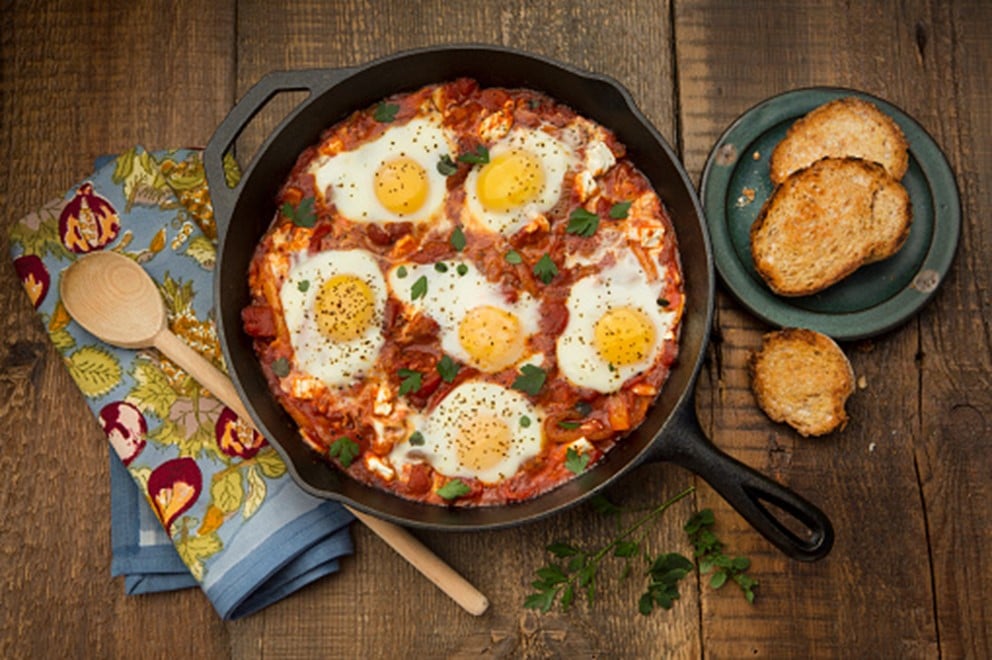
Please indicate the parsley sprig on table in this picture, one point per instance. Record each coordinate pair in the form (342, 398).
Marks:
(573, 570)
(709, 554)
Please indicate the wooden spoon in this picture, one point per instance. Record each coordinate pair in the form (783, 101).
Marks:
(113, 298)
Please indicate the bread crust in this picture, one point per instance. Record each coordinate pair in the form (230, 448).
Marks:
(844, 127)
(802, 378)
(826, 221)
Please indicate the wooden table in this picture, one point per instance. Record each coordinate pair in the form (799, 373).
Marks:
(907, 484)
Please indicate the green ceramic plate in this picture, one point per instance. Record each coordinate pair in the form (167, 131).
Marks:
(877, 297)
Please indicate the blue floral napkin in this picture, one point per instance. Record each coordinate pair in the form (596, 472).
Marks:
(197, 497)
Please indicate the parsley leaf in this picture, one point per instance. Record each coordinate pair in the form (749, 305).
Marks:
(416, 439)
(524, 421)
(462, 269)
(582, 223)
(303, 285)
(401, 272)
(709, 554)
(575, 462)
(345, 450)
(446, 166)
(619, 210)
(568, 426)
(664, 575)
(458, 239)
(513, 257)
(419, 288)
(303, 215)
(448, 368)
(478, 157)
(280, 367)
(453, 489)
(545, 269)
(385, 112)
(441, 267)
(410, 381)
(530, 380)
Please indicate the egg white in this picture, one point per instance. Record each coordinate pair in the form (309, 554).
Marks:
(346, 179)
(624, 284)
(453, 423)
(556, 159)
(336, 364)
(452, 290)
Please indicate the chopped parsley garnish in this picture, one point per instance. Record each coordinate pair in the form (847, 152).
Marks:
(453, 489)
(448, 368)
(583, 408)
(345, 450)
(303, 285)
(478, 157)
(441, 267)
(582, 223)
(545, 269)
(419, 288)
(401, 272)
(513, 257)
(458, 239)
(619, 210)
(303, 215)
(568, 426)
(462, 269)
(410, 381)
(385, 112)
(524, 421)
(280, 367)
(575, 462)
(416, 439)
(446, 166)
(530, 380)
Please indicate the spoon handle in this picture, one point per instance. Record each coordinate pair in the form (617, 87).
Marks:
(405, 544)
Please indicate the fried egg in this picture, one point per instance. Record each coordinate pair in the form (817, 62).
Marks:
(333, 304)
(616, 327)
(393, 178)
(480, 325)
(480, 430)
(523, 178)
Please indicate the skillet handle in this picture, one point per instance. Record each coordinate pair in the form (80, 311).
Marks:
(313, 81)
(748, 490)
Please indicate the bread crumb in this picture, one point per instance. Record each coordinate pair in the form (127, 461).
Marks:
(756, 155)
(862, 382)
(747, 196)
(871, 447)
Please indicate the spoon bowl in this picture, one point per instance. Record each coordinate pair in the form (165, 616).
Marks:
(114, 299)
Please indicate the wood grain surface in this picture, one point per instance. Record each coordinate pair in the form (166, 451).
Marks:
(907, 483)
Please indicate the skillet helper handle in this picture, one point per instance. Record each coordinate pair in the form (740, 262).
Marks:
(312, 81)
(748, 491)
(403, 542)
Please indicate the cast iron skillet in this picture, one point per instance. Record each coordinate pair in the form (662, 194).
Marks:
(670, 432)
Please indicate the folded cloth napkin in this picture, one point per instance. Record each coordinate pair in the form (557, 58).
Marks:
(197, 497)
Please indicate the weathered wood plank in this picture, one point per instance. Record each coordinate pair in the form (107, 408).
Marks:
(729, 59)
(79, 81)
(952, 447)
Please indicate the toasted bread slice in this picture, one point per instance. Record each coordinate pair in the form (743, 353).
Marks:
(802, 378)
(842, 128)
(826, 221)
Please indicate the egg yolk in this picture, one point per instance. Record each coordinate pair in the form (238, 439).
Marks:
(510, 180)
(491, 337)
(483, 442)
(401, 185)
(624, 336)
(344, 308)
